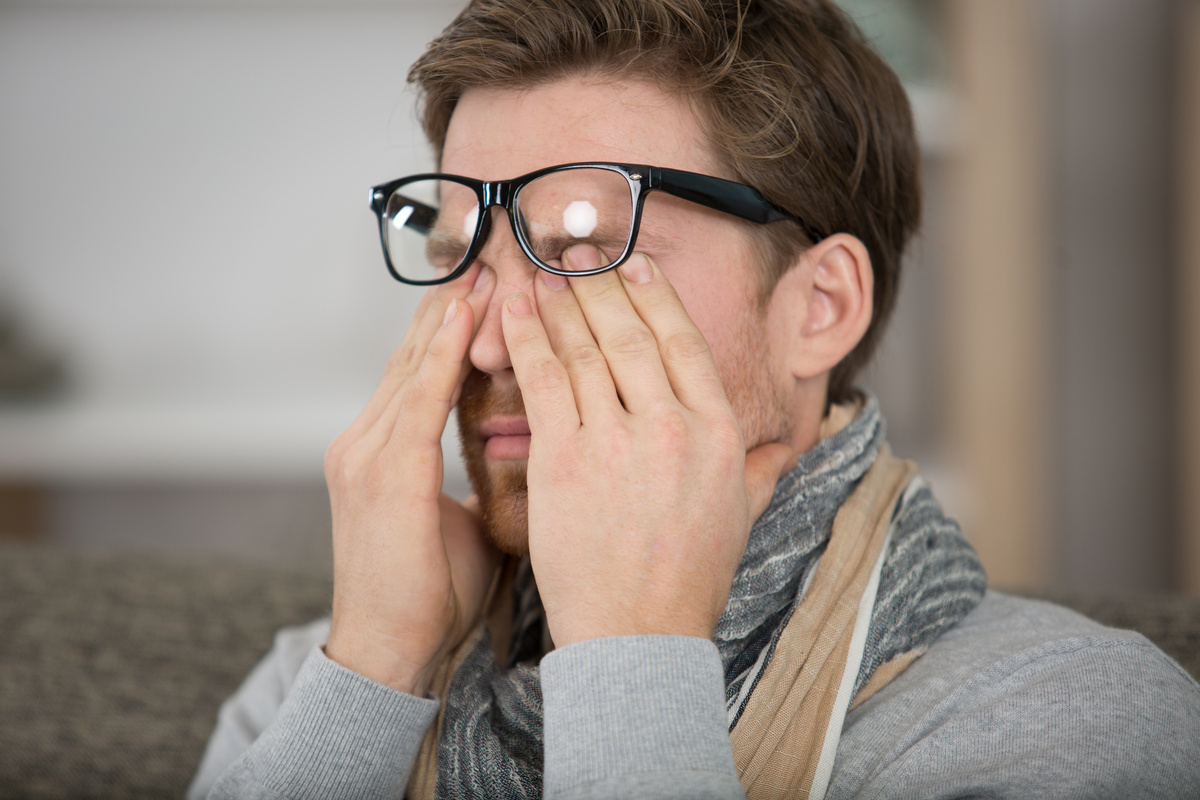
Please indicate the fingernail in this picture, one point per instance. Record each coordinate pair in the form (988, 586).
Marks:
(582, 258)
(554, 281)
(518, 305)
(451, 313)
(483, 280)
(637, 269)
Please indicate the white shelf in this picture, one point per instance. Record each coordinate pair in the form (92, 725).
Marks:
(178, 438)
(91, 439)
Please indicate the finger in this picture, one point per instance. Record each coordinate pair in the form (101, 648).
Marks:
(474, 286)
(544, 382)
(422, 405)
(627, 344)
(354, 455)
(418, 400)
(765, 465)
(684, 352)
(475, 289)
(567, 329)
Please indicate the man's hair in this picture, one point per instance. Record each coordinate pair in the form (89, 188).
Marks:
(792, 97)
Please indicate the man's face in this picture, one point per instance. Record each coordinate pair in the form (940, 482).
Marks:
(497, 134)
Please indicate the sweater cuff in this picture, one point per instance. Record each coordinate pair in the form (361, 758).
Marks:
(627, 706)
(340, 734)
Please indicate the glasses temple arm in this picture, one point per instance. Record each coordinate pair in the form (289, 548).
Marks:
(727, 196)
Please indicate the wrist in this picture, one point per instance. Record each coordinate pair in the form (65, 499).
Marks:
(564, 633)
(375, 663)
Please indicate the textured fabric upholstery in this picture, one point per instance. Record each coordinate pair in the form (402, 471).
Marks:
(112, 666)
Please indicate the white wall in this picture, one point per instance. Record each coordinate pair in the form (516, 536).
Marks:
(183, 211)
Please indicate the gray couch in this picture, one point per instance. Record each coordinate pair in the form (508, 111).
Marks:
(112, 666)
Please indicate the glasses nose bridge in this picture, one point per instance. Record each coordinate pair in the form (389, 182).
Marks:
(498, 193)
(502, 194)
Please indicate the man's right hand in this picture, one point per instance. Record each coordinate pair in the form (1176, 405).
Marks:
(411, 566)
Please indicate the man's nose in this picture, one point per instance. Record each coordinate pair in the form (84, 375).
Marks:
(514, 273)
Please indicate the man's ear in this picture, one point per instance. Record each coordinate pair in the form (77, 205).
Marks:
(823, 305)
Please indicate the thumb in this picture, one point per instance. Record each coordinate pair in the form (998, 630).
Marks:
(765, 465)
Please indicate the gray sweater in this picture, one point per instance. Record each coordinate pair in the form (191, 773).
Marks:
(1021, 699)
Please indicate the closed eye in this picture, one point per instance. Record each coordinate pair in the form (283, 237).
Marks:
(551, 248)
(444, 250)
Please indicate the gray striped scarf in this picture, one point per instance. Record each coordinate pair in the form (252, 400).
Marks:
(491, 741)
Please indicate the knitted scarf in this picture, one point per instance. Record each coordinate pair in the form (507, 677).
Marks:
(487, 741)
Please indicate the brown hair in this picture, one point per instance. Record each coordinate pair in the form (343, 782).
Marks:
(794, 100)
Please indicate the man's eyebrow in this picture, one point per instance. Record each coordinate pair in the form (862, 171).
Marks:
(649, 237)
(658, 238)
(443, 243)
(604, 235)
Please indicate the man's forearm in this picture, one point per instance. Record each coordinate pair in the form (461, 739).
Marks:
(637, 716)
(337, 734)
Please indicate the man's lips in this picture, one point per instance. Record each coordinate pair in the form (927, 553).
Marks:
(505, 438)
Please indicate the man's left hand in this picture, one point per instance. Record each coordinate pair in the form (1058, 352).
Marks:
(641, 492)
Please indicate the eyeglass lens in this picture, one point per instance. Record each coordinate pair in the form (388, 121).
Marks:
(430, 223)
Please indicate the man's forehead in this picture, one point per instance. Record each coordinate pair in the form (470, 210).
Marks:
(498, 133)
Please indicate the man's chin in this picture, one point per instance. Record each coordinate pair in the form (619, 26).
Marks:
(505, 526)
(503, 505)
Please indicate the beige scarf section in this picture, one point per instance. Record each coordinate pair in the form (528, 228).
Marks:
(786, 738)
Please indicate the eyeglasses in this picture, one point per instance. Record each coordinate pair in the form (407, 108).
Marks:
(433, 226)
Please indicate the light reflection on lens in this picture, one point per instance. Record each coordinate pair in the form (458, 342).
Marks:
(470, 220)
(579, 218)
(401, 217)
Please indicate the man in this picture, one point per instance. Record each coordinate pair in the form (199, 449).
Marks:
(692, 568)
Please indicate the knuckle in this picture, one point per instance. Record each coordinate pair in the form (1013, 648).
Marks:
(584, 356)
(401, 358)
(341, 466)
(431, 385)
(335, 462)
(439, 349)
(423, 399)
(632, 341)
(606, 290)
(685, 346)
(544, 375)
(673, 429)
(618, 444)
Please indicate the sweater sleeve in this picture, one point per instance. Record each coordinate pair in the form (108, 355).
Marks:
(319, 730)
(637, 716)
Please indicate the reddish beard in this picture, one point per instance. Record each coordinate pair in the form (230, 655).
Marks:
(500, 486)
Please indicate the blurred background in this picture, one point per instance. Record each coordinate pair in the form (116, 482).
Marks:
(193, 302)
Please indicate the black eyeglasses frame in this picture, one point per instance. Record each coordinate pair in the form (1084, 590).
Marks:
(730, 197)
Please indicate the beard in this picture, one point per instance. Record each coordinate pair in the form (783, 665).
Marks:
(500, 486)
(759, 402)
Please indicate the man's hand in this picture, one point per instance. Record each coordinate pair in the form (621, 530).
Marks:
(641, 492)
(411, 567)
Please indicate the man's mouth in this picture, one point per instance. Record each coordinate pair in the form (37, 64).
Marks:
(505, 438)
